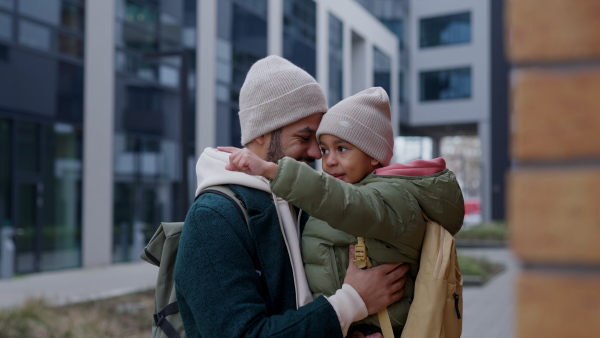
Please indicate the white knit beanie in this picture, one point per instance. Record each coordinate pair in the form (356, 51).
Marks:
(364, 120)
(277, 93)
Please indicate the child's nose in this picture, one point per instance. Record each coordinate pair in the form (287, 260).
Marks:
(331, 160)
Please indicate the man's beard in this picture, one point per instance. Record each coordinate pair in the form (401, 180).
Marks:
(275, 152)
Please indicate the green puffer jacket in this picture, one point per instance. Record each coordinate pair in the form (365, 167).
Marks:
(385, 208)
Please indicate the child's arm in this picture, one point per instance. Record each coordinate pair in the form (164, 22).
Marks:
(359, 211)
(244, 160)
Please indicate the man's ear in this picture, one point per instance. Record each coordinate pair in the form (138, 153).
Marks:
(375, 163)
(261, 139)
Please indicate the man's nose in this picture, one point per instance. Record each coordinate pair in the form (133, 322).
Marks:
(314, 150)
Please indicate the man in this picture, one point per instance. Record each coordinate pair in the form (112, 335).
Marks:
(234, 279)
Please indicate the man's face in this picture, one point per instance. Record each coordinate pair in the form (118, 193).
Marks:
(296, 140)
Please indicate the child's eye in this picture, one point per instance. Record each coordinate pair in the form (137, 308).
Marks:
(324, 151)
(342, 149)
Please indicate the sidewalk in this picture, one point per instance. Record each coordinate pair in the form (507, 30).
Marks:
(79, 285)
(489, 309)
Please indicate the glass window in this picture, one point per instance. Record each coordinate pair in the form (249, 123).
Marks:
(71, 17)
(70, 45)
(34, 35)
(28, 147)
(336, 62)
(445, 84)
(397, 27)
(9, 4)
(382, 65)
(170, 28)
(61, 234)
(168, 76)
(136, 39)
(47, 10)
(69, 95)
(141, 15)
(299, 34)
(5, 155)
(242, 40)
(6, 28)
(445, 30)
(26, 220)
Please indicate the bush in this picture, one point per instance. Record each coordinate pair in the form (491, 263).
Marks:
(478, 266)
(485, 231)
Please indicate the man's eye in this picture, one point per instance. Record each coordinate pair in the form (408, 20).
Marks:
(304, 138)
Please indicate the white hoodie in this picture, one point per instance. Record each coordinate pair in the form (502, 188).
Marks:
(210, 171)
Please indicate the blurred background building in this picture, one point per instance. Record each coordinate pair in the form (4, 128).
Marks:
(105, 105)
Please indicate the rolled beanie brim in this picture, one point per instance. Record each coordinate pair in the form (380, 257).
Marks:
(285, 109)
(360, 135)
(364, 120)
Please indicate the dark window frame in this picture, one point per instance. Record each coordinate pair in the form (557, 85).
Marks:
(423, 94)
(441, 20)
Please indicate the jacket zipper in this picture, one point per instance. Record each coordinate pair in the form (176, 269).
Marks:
(455, 295)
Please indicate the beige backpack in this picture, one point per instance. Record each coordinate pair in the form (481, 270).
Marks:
(436, 311)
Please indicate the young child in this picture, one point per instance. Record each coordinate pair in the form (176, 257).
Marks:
(361, 195)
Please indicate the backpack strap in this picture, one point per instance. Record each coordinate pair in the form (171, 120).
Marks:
(362, 261)
(160, 319)
(226, 192)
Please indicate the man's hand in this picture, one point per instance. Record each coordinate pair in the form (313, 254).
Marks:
(245, 161)
(358, 334)
(380, 286)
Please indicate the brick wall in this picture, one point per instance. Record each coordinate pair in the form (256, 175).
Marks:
(554, 184)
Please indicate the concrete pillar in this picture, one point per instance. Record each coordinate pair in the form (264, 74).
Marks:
(275, 28)
(206, 107)
(98, 133)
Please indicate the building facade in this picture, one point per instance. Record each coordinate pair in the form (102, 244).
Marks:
(106, 105)
(454, 80)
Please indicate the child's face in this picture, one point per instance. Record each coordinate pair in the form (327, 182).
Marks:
(344, 161)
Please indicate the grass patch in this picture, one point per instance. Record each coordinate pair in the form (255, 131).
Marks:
(486, 231)
(126, 316)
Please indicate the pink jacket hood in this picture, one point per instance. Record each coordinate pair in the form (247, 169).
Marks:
(414, 168)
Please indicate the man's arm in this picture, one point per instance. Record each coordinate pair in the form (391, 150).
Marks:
(221, 288)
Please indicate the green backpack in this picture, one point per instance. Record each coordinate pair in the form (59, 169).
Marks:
(162, 252)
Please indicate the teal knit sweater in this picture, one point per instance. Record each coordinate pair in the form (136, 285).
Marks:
(231, 282)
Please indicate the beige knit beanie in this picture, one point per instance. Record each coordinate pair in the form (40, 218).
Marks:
(277, 93)
(363, 119)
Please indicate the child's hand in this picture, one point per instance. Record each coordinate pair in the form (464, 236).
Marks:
(245, 161)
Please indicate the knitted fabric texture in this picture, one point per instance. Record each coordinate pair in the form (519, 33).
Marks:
(277, 93)
(364, 120)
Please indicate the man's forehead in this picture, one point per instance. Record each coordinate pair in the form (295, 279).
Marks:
(305, 129)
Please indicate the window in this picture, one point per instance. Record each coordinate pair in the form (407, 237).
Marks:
(47, 11)
(445, 30)
(5, 26)
(445, 84)
(35, 36)
(382, 67)
(397, 27)
(299, 34)
(336, 62)
(8, 4)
